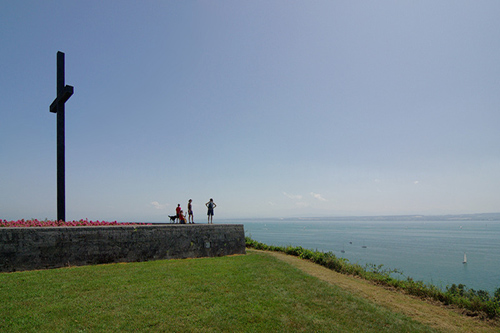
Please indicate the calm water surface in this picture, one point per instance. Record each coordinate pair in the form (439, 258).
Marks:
(430, 251)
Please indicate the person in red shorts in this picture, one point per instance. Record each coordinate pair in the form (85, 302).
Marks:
(182, 218)
(178, 211)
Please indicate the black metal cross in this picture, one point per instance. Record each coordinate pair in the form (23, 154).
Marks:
(64, 92)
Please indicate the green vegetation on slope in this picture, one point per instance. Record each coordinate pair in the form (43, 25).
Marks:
(470, 299)
(255, 292)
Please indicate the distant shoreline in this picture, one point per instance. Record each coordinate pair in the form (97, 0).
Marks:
(398, 218)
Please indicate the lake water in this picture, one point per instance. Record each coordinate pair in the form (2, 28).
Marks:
(430, 251)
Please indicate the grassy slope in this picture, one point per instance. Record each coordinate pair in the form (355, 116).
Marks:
(434, 314)
(256, 292)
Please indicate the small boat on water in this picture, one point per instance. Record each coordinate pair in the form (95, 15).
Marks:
(343, 249)
(364, 246)
(465, 258)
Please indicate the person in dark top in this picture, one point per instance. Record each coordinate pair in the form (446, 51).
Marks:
(210, 205)
(190, 212)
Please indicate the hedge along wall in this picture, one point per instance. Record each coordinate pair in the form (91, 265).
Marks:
(51, 247)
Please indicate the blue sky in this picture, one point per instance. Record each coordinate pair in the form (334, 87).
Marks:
(272, 108)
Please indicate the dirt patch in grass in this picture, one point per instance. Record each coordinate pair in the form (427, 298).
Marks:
(438, 316)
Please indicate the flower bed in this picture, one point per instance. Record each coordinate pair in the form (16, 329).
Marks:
(53, 223)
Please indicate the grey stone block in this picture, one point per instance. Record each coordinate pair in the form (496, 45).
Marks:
(52, 247)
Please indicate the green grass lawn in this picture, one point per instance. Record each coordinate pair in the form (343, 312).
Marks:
(247, 293)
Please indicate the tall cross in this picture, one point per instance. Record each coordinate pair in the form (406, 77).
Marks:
(64, 92)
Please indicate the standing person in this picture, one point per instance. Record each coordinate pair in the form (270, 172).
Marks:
(190, 212)
(210, 205)
(178, 211)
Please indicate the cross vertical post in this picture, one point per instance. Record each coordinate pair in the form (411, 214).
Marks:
(64, 92)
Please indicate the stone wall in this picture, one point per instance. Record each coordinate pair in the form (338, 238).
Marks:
(51, 247)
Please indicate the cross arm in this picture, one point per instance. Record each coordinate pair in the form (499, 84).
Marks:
(61, 98)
